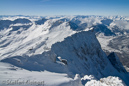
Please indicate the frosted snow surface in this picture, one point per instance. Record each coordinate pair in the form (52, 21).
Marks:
(13, 76)
(109, 81)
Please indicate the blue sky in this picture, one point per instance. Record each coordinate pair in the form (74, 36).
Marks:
(64, 7)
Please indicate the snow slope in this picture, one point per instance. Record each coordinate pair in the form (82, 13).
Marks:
(38, 37)
(13, 76)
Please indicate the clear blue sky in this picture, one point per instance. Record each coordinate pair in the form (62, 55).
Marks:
(64, 7)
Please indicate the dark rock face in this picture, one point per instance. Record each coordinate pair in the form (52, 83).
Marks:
(4, 24)
(42, 21)
(107, 21)
(116, 62)
(77, 26)
(73, 25)
(20, 20)
(57, 23)
(121, 43)
(100, 28)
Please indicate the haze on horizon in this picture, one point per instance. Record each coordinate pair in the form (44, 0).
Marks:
(64, 7)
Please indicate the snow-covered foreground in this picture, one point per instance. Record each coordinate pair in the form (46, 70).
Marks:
(13, 76)
(109, 81)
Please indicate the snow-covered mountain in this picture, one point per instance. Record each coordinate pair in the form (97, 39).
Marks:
(36, 43)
